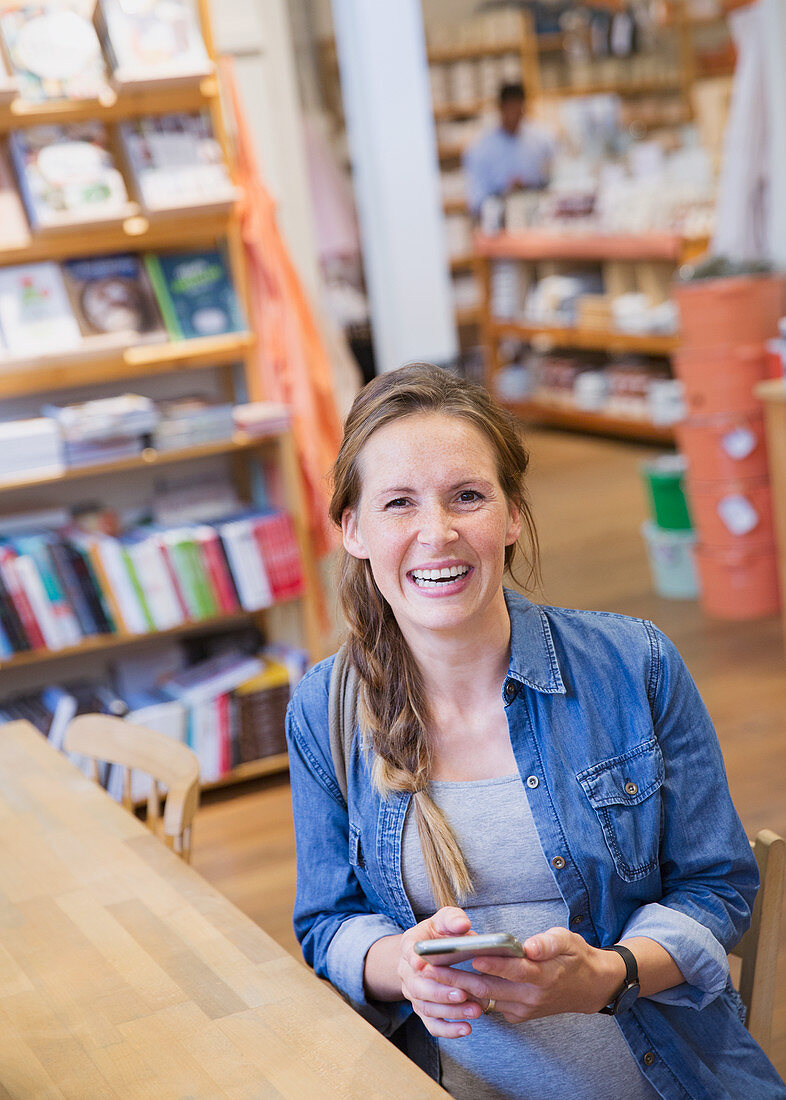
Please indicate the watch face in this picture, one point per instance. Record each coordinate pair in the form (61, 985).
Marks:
(626, 998)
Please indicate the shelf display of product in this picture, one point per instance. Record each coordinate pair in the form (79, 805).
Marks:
(147, 42)
(195, 293)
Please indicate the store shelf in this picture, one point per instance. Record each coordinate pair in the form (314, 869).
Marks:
(112, 107)
(253, 769)
(96, 643)
(146, 460)
(620, 88)
(587, 339)
(85, 365)
(557, 416)
(536, 244)
(471, 51)
(137, 233)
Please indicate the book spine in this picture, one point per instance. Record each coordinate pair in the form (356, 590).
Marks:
(38, 549)
(139, 590)
(106, 588)
(16, 144)
(206, 600)
(12, 624)
(111, 555)
(83, 571)
(168, 559)
(224, 741)
(30, 579)
(19, 596)
(290, 552)
(161, 291)
(181, 564)
(215, 566)
(149, 565)
(73, 589)
(246, 565)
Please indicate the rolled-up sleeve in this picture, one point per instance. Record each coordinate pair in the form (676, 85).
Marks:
(700, 957)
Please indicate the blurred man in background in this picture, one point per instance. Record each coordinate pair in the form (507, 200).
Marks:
(513, 155)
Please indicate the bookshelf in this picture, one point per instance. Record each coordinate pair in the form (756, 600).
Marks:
(666, 250)
(98, 362)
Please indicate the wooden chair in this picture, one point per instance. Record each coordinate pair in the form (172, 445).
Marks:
(103, 737)
(758, 948)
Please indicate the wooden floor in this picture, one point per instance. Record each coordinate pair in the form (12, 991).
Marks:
(589, 503)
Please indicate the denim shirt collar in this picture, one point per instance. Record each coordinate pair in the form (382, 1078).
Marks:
(533, 659)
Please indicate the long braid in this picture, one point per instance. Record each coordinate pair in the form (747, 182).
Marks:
(393, 715)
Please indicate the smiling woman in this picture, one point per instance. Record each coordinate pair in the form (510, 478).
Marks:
(547, 773)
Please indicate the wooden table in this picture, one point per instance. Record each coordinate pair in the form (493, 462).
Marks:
(123, 973)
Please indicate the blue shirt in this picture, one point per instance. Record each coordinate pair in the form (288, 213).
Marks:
(632, 810)
(498, 159)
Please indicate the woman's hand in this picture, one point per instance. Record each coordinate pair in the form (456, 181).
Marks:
(561, 973)
(442, 1008)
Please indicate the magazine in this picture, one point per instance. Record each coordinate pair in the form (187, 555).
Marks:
(195, 293)
(146, 40)
(54, 51)
(112, 294)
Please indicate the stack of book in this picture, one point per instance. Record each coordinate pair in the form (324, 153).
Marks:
(30, 448)
(260, 418)
(175, 162)
(64, 584)
(46, 309)
(105, 429)
(189, 421)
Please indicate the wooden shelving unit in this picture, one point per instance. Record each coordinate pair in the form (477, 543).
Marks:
(95, 362)
(83, 367)
(148, 458)
(539, 246)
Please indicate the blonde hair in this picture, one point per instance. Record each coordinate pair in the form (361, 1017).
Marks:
(392, 706)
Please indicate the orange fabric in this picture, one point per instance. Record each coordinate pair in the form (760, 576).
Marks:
(293, 362)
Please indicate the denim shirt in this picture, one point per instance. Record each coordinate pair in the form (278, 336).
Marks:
(627, 788)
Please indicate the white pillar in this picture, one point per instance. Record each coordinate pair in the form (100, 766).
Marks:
(390, 127)
(774, 20)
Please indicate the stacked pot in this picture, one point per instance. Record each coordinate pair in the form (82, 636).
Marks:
(725, 326)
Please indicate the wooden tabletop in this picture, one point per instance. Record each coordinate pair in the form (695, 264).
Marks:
(124, 974)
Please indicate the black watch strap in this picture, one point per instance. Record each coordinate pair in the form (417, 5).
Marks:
(629, 990)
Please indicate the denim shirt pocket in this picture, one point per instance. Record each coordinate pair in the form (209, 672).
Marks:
(623, 792)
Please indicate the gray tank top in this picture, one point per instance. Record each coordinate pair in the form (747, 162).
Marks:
(572, 1054)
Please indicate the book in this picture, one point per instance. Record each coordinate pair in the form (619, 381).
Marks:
(245, 561)
(195, 293)
(11, 622)
(35, 314)
(175, 162)
(189, 568)
(38, 548)
(275, 535)
(53, 50)
(190, 421)
(67, 174)
(106, 418)
(112, 295)
(14, 230)
(217, 568)
(147, 558)
(30, 448)
(151, 42)
(19, 596)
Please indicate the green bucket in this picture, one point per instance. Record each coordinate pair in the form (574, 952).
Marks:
(664, 477)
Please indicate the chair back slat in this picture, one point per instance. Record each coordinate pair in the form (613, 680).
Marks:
(758, 948)
(169, 762)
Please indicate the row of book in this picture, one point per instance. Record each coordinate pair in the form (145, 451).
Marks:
(60, 586)
(123, 299)
(74, 173)
(68, 49)
(229, 708)
(106, 429)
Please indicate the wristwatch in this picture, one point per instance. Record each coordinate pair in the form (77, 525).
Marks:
(629, 990)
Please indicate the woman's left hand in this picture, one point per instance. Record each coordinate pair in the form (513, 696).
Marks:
(561, 973)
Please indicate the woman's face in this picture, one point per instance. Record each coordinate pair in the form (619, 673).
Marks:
(433, 522)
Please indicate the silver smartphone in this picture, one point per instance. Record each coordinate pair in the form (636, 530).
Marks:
(447, 950)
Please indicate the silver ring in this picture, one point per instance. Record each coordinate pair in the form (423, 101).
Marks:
(490, 1007)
